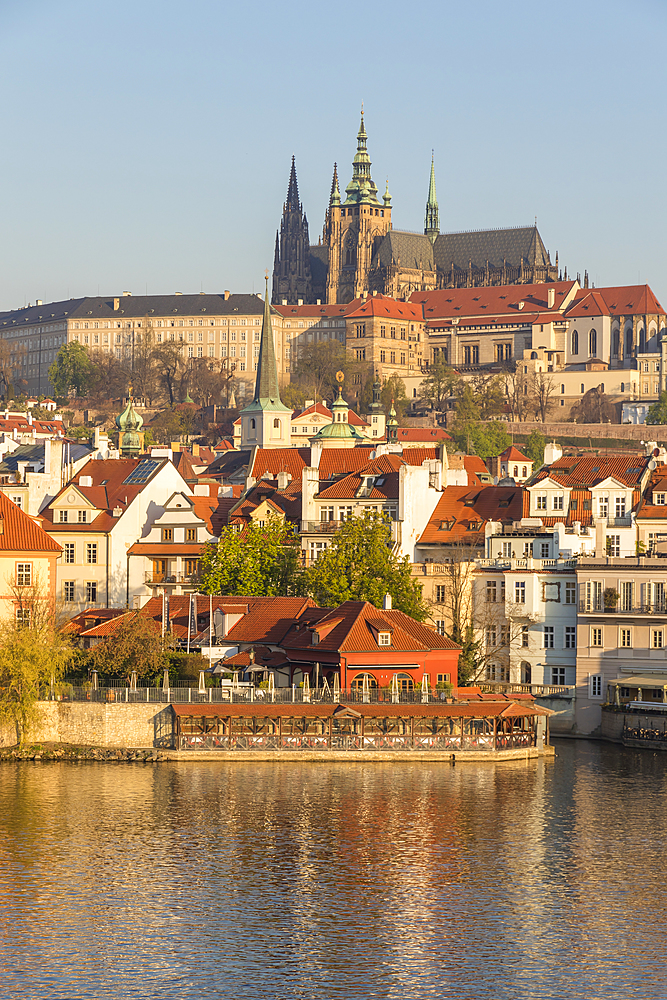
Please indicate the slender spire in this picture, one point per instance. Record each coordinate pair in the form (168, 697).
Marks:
(293, 190)
(334, 198)
(267, 393)
(361, 189)
(432, 218)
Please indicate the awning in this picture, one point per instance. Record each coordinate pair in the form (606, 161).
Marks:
(653, 680)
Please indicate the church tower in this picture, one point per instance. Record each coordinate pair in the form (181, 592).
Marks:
(432, 218)
(291, 264)
(266, 421)
(353, 229)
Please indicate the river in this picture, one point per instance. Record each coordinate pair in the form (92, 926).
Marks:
(539, 879)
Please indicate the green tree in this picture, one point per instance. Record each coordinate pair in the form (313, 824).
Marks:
(73, 371)
(315, 369)
(360, 565)
(259, 561)
(439, 385)
(535, 448)
(483, 439)
(657, 413)
(393, 389)
(32, 657)
(489, 392)
(135, 645)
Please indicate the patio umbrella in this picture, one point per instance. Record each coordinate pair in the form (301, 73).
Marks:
(306, 687)
(336, 690)
(394, 690)
(425, 689)
(366, 691)
(202, 683)
(94, 678)
(133, 681)
(272, 687)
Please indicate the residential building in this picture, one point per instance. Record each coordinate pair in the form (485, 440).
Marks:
(512, 464)
(28, 564)
(32, 474)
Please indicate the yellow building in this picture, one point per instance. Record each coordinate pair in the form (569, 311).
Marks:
(28, 559)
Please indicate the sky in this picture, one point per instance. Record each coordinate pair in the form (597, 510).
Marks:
(145, 146)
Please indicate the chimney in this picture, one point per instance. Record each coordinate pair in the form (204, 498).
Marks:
(284, 302)
(521, 305)
(299, 302)
(47, 457)
(195, 450)
(551, 297)
(319, 302)
(226, 294)
(38, 302)
(283, 480)
(386, 604)
(116, 305)
(128, 294)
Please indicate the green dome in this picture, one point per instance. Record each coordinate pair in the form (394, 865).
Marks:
(129, 419)
(339, 428)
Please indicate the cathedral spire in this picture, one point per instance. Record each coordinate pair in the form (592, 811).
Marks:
(432, 218)
(334, 197)
(292, 203)
(267, 393)
(361, 189)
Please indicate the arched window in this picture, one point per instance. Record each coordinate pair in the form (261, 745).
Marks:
(358, 683)
(533, 355)
(524, 472)
(516, 470)
(575, 342)
(253, 425)
(601, 386)
(628, 342)
(276, 424)
(583, 388)
(405, 682)
(642, 340)
(562, 390)
(616, 344)
(592, 344)
(526, 673)
(622, 386)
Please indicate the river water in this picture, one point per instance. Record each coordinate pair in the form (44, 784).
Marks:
(303, 880)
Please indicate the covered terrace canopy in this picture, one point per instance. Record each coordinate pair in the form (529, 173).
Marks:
(477, 726)
(641, 687)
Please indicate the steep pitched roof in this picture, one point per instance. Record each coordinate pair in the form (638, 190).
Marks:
(20, 533)
(411, 250)
(382, 305)
(513, 454)
(626, 300)
(461, 513)
(494, 301)
(384, 468)
(589, 470)
(492, 245)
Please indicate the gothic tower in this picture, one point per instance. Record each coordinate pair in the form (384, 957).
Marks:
(291, 265)
(266, 421)
(353, 229)
(432, 218)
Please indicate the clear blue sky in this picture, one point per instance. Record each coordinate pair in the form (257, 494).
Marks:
(147, 144)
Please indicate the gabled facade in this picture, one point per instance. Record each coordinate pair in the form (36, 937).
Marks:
(28, 564)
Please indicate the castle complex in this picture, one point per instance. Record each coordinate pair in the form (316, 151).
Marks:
(359, 252)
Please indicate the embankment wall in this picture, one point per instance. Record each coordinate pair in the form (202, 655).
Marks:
(91, 724)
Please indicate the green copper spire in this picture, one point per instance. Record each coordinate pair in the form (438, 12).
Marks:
(335, 190)
(267, 393)
(387, 197)
(361, 190)
(432, 219)
(392, 424)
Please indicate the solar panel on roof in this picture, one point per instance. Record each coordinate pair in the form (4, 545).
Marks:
(142, 473)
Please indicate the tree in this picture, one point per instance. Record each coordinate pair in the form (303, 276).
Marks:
(657, 413)
(535, 448)
(594, 407)
(316, 365)
(134, 646)
(543, 388)
(360, 565)
(393, 390)
(483, 439)
(170, 368)
(439, 385)
(260, 560)
(489, 392)
(73, 371)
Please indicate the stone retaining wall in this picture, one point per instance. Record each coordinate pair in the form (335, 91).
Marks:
(95, 724)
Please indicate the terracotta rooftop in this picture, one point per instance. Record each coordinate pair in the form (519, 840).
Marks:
(20, 533)
(462, 512)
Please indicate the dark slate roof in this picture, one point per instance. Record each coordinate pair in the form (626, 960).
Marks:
(319, 263)
(102, 307)
(411, 249)
(494, 245)
(228, 464)
(35, 453)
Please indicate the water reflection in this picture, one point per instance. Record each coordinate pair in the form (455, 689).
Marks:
(531, 880)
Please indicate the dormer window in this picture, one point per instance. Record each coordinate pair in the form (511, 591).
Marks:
(384, 638)
(83, 517)
(316, 639)
(63, 516)
(659, 499)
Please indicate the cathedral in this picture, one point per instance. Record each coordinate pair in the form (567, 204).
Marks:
(359, 252)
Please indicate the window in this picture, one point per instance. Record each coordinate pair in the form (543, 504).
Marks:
(541, 502)
(68, 590)
(558, 675)
(440, 593)
(83, 516)
(345, 513)
(91, 591)
(23, 617)
(592, 344)
(558, 502)
(595, 686)
(657, 638)
(18, 502)
(69, 552)
(384, 639)
(62, 516)
(620, 506)
(440, 626)
(593, 595)
(596, 637)
(603, 506)
(191, 534)
(167, 534)
(570, 637)
(626, 638)
(507, 550)
(23, 574)
(192, 567)
(613, 545)
(524, 636)
(490, 591)
(520, 592)
(548, 637)
(570, 593)
(491, 636)
(544, 550)
(575, 342)
(91, 553)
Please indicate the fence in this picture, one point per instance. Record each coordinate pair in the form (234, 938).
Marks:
(347, 742)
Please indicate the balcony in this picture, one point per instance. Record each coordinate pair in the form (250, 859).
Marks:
(526, 562)
(320, 527)
(597, 608)
(624, 521)
(170, 579)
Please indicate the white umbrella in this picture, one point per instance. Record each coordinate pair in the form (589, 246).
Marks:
(272, 687)
(133, 681)
(425, 689)
(366, 691)
(394, 689)
(306, 688)
(336, 690)
(202, 683)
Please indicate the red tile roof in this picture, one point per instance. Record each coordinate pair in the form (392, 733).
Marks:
(460, 508)
(494, 301)
(85, 619)
(384, 467)
(425, 434)
(20, 533)
(513, 454)
(615, 300)
(335, 461)
(588, 470)
(275, 460)
(382, 305)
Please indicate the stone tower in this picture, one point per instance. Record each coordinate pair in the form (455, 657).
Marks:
(291, 264)
(352, 230)
(432, 217)
(266, 421)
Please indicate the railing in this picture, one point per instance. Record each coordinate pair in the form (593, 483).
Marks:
(430, 569)
(537, 690)
(596, 608)
(645, 735)
(159, 579)
(524, 562)
(352, 741)
(320, 527)
(624, 521)
(243, 693)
